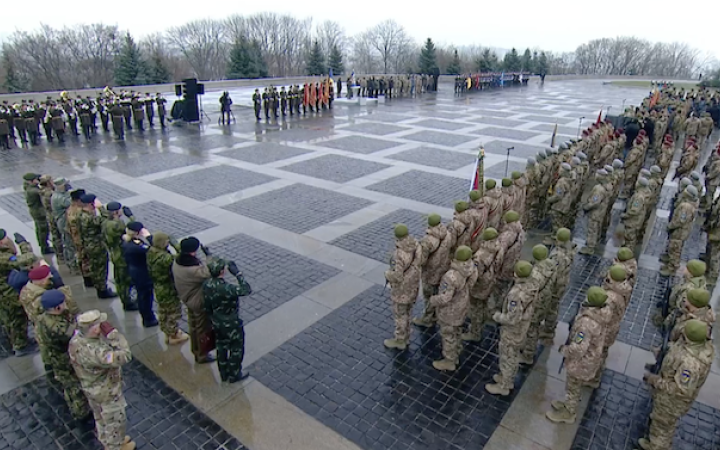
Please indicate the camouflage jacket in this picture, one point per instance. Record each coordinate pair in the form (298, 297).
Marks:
(544, 275)
(634, 158)
(519, 197)
(73, 225)
(508, 198)
(55, 332)
(682, 220)
(685, 369)
(221, 299)
(493, 206)
(688, 161)
(665, 156)
(597, 201)
(98, 362)
(705, 314)
(46, 196)
(706, 126)
(479, 215)
(90, 227)
(8, 263)
(692, 126)
(160, 262)
(453, 298)
(512, 239)
(680, 290)
(488, 260)
(33, 198)
(564, 254)
(631, 268)
(463, 226)
(712, 174)
(562, 197)
(404, 273)
(584, 351)
(615, 303)
(517, 311)
(60, 202)
(112, 232)
(435, 247)
(636, 207)
(30, 300)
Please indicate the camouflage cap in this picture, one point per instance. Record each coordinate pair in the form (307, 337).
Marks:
(642, 181)
(617, 164)
(91, 318)
(461, 206)
(516, 175)
(511, 216)
(699, 298)
(541, 155)
(563, 235)
(216, 266)
(566, 167)
(475, 195)
(575, 161)
(489, 234)
(551, 151)
(696, 330)
(685, 182)
(602, 173)
(160, 240)
(31, 176)
(617, 273)
(401, 230)
(596, 296)
(540, 252)
(655, 169)
(434, 220)
(695, 175)
(625, 254)
(506, 182)
(531, 161)
(609, 169)
(490, 184)
(696, 267)
(523, 269)
(45, 178)
(645, 173)
(463, 253)
(691, 191)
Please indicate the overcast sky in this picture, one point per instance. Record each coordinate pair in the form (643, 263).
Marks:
(557, 25)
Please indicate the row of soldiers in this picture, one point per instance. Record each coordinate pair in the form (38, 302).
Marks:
(28, 120)
(313, 96)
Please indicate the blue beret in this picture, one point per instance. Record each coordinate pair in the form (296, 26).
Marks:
(135, 226)
(114, 206)
(88, 199)
(51, 298)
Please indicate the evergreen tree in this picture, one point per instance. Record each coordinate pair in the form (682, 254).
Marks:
(130, 69)
(14, 82)
(455, 67)
(259, 66)
(246, 60)
(488, 62)
(158, 72)
(526, 62)
(335, 61)
(316, 60)
(511, 61)
(542, 66)
(428, 59)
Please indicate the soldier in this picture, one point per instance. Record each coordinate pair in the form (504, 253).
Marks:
(633, 164)
(493, 204)
(257, 103)
(695, 179)
(563, 253)
(4, 129)
(683, 372)
(403, 278)
(33, 198)
(90, 227)
(543, 274)
(159, 261)
(31, 124)
(57, 121)
(117, 112)
(692, 127)
(688, 160)
(12, 314)
(561, 201)
(73, 227)
(104, 113)
(626, 258)
(695, 306)
(221, 304)
(134, 250)
(665, 156)
(705, 129)
(160, 101)
(507, 195)
(97, 353)
(693, 278)
(478, 214)
(712, 179)
(529, 220)
(712, 248)
(47, 188)
(488, 260)
(451, 304)
(435, 247)
(19, 122)
(275, 100)
(112, 231)
(595, 209)
(634, 216)
(283, 100)
(582, 354)
(266, 103)
(514, 320)
(519, 184)
(462, 226)
(679, 230)
(512, 237)
(85, 119)
(60, 202)
(149, 109)
(55, 327)
(138, 113)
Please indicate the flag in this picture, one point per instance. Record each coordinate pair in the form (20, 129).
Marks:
(502, 75)
(330, 73)
(477, 182)
(655, 97)
(554, 135)
(599, 119)
(352, 78)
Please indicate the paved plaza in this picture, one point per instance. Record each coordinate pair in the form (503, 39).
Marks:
(306, 207)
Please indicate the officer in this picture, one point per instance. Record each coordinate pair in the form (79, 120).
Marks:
(257, 103)
(134, 250)
(112, 230)
(33, 198)
(90, 228)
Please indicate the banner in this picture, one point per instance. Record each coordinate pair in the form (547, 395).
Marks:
(554, 135)
(477, 182)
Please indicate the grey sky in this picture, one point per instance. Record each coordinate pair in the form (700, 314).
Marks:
(557, 25)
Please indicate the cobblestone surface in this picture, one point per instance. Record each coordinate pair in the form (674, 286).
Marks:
(158, 216)
(425, 187)
(207, 142)
(298, 208)
(519, 135)
(498, 170)
(438, 138)
(12, 171)
(15, 204)
(211, 182)
(275, 274)
(441, 124)
(338, 371)
(105, 191)
(435, 157)
(374, 128)
(141, 165)
(499, 147)
(264, 153)
(497, 121)
(359, 144)
(339, 169)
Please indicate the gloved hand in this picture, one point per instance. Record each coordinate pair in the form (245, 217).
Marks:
(127, 211)
(650, 378)
(68, 187)
(233, 268)
(205, 250)
(106, 328)
(19, 238)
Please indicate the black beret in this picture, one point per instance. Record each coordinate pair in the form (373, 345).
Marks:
(114, 206)
(77, 194)
(189, 245)
(88, 199)
(135, 226)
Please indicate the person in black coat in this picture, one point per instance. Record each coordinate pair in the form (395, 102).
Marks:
(135, 248)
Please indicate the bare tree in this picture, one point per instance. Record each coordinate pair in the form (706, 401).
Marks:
(203, 43)
(363, 58)
(331, 34)
(283, 40)
(392, 44)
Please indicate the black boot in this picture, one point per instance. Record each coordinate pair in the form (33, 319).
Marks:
(87, 281)
(152, 322)
(48, 251)
(106, 293)
(131, 306)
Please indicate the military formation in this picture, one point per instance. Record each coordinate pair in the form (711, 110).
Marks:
(25, 123)
(471, 275)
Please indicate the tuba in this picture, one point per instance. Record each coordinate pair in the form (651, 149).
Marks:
(109, 93)
(64, 96)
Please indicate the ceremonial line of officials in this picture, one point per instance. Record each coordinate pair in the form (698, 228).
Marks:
(83, 354)
(470, 268)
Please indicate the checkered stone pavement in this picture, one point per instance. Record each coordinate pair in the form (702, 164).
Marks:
(425, 187)
(207, 142)
(15, 204)
(359, 144)
(298, 134)
(146, 164)
(104, 190)
(497, 171)
(211, 182)
(499, 147)
(548, 119)
(441, 124)
(550, 127)
(339, 169)
(298, 208)
(519, 135)
(434, 157)
(694, 245)
(388, 117)
(493, 113)
(11, 173)
(275, 274)
(497, 121)
(158, 216)
(374, 128)
(264, 153)
(438, 138)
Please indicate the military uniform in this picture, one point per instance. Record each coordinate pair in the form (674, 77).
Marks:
(712, 248)
(134, 250)
(160, 261)
(73, 227)
(46, 191)
(435, 258)
(488, 259)
(160, 102)
(221, 305)
(679, 229)
(12, 314)
(403, 278)
(695, 306)
(634, 216)
(60, 202)
(561, 200)
(512, 237)
(633, 164)
(493, 204)
(462, 226)
(33, 198)
(90, 227)
(257, 103)
(112, 231)
(595, 209)
(543, 275)
(478, 215)
(564, 254)
(712, 180)
(117, 114)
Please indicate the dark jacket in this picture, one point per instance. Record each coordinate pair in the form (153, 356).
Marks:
(19, 278)
(135, 254)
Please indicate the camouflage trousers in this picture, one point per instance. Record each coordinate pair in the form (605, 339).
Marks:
(429, 313)
(478, 316)
(451, 343)
(57, 241)
(530, 218)
(72, 391)
(632, 232)
(82, 258)
(110, 422)
(674, 252)
(594, 225)
(710, 188)
(712, 259)
(169, 313)
(122, 280)
(15, 321)
(98, 259)
(547, 330)
(69, 252)
(667, 411)
(509, 361)
(606, 219)
(402, 313)
(559, 219)
(573, 391)
(533, 334)
(499, 292)
(230, 341)
(41, 230)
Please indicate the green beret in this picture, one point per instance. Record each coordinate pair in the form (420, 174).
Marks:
(506, 182)
(699, 298)
(3, 233)
(490, 184)
(523, 269)
(401, 230)
(563, 235)
(461, 206)
(475, 195)
(434, 220)
(30, 176)
(540, 252)
(617, 273)
(596, 296)
(625, 254)
(515, 175)
(511, 216)
(696, 330)
(489, 234)
(463, 253)
(696, 268)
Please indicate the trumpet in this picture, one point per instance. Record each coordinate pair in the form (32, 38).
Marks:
(109, 93)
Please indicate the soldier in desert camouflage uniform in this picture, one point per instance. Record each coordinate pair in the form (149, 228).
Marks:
(512, 238)
(712, 248)
(519, 186)
(563, 253)
(60, 202)
(679, 230)
(695, 306)
(462, 226)
(479, 215)
(595, 209)
(435, 247)
(543, 275)
(626, 259)
(493, 204)
(46, 191)
(561, 200)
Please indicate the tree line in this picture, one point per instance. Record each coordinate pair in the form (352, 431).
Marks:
(279, 45)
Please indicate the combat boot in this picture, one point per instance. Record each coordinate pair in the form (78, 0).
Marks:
(242, 376)
(87, 282)
(497, 378)
(128, 446)
(645, 444)
(395, 343)
(470, 337)
(106, 293)
(445, 365)
(423, 322)
(664, 257)
(666, 271)
(527, 360)
(497, 389)
(560, 415)
(587, 250)
(557, 405)
(178, 338)
(47, 250)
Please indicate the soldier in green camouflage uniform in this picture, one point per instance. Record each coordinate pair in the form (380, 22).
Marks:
(59, 203)
(55, 327)
(221, 305)
(112, 231)
(159, 261)
(90, 224)
(47, 188)
(634, 216)
(97, 353)
(33, 198)
(12, 314)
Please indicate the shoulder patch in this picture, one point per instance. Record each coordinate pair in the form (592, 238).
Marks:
(595, 198)
(579, 337)
(636, 204)
(109, 358)
(685, 377)
(683, 216)
(443, 287)
(512, 305)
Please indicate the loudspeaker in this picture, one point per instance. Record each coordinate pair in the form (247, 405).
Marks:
(191, 108)
(201, 89)
(178, 90)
